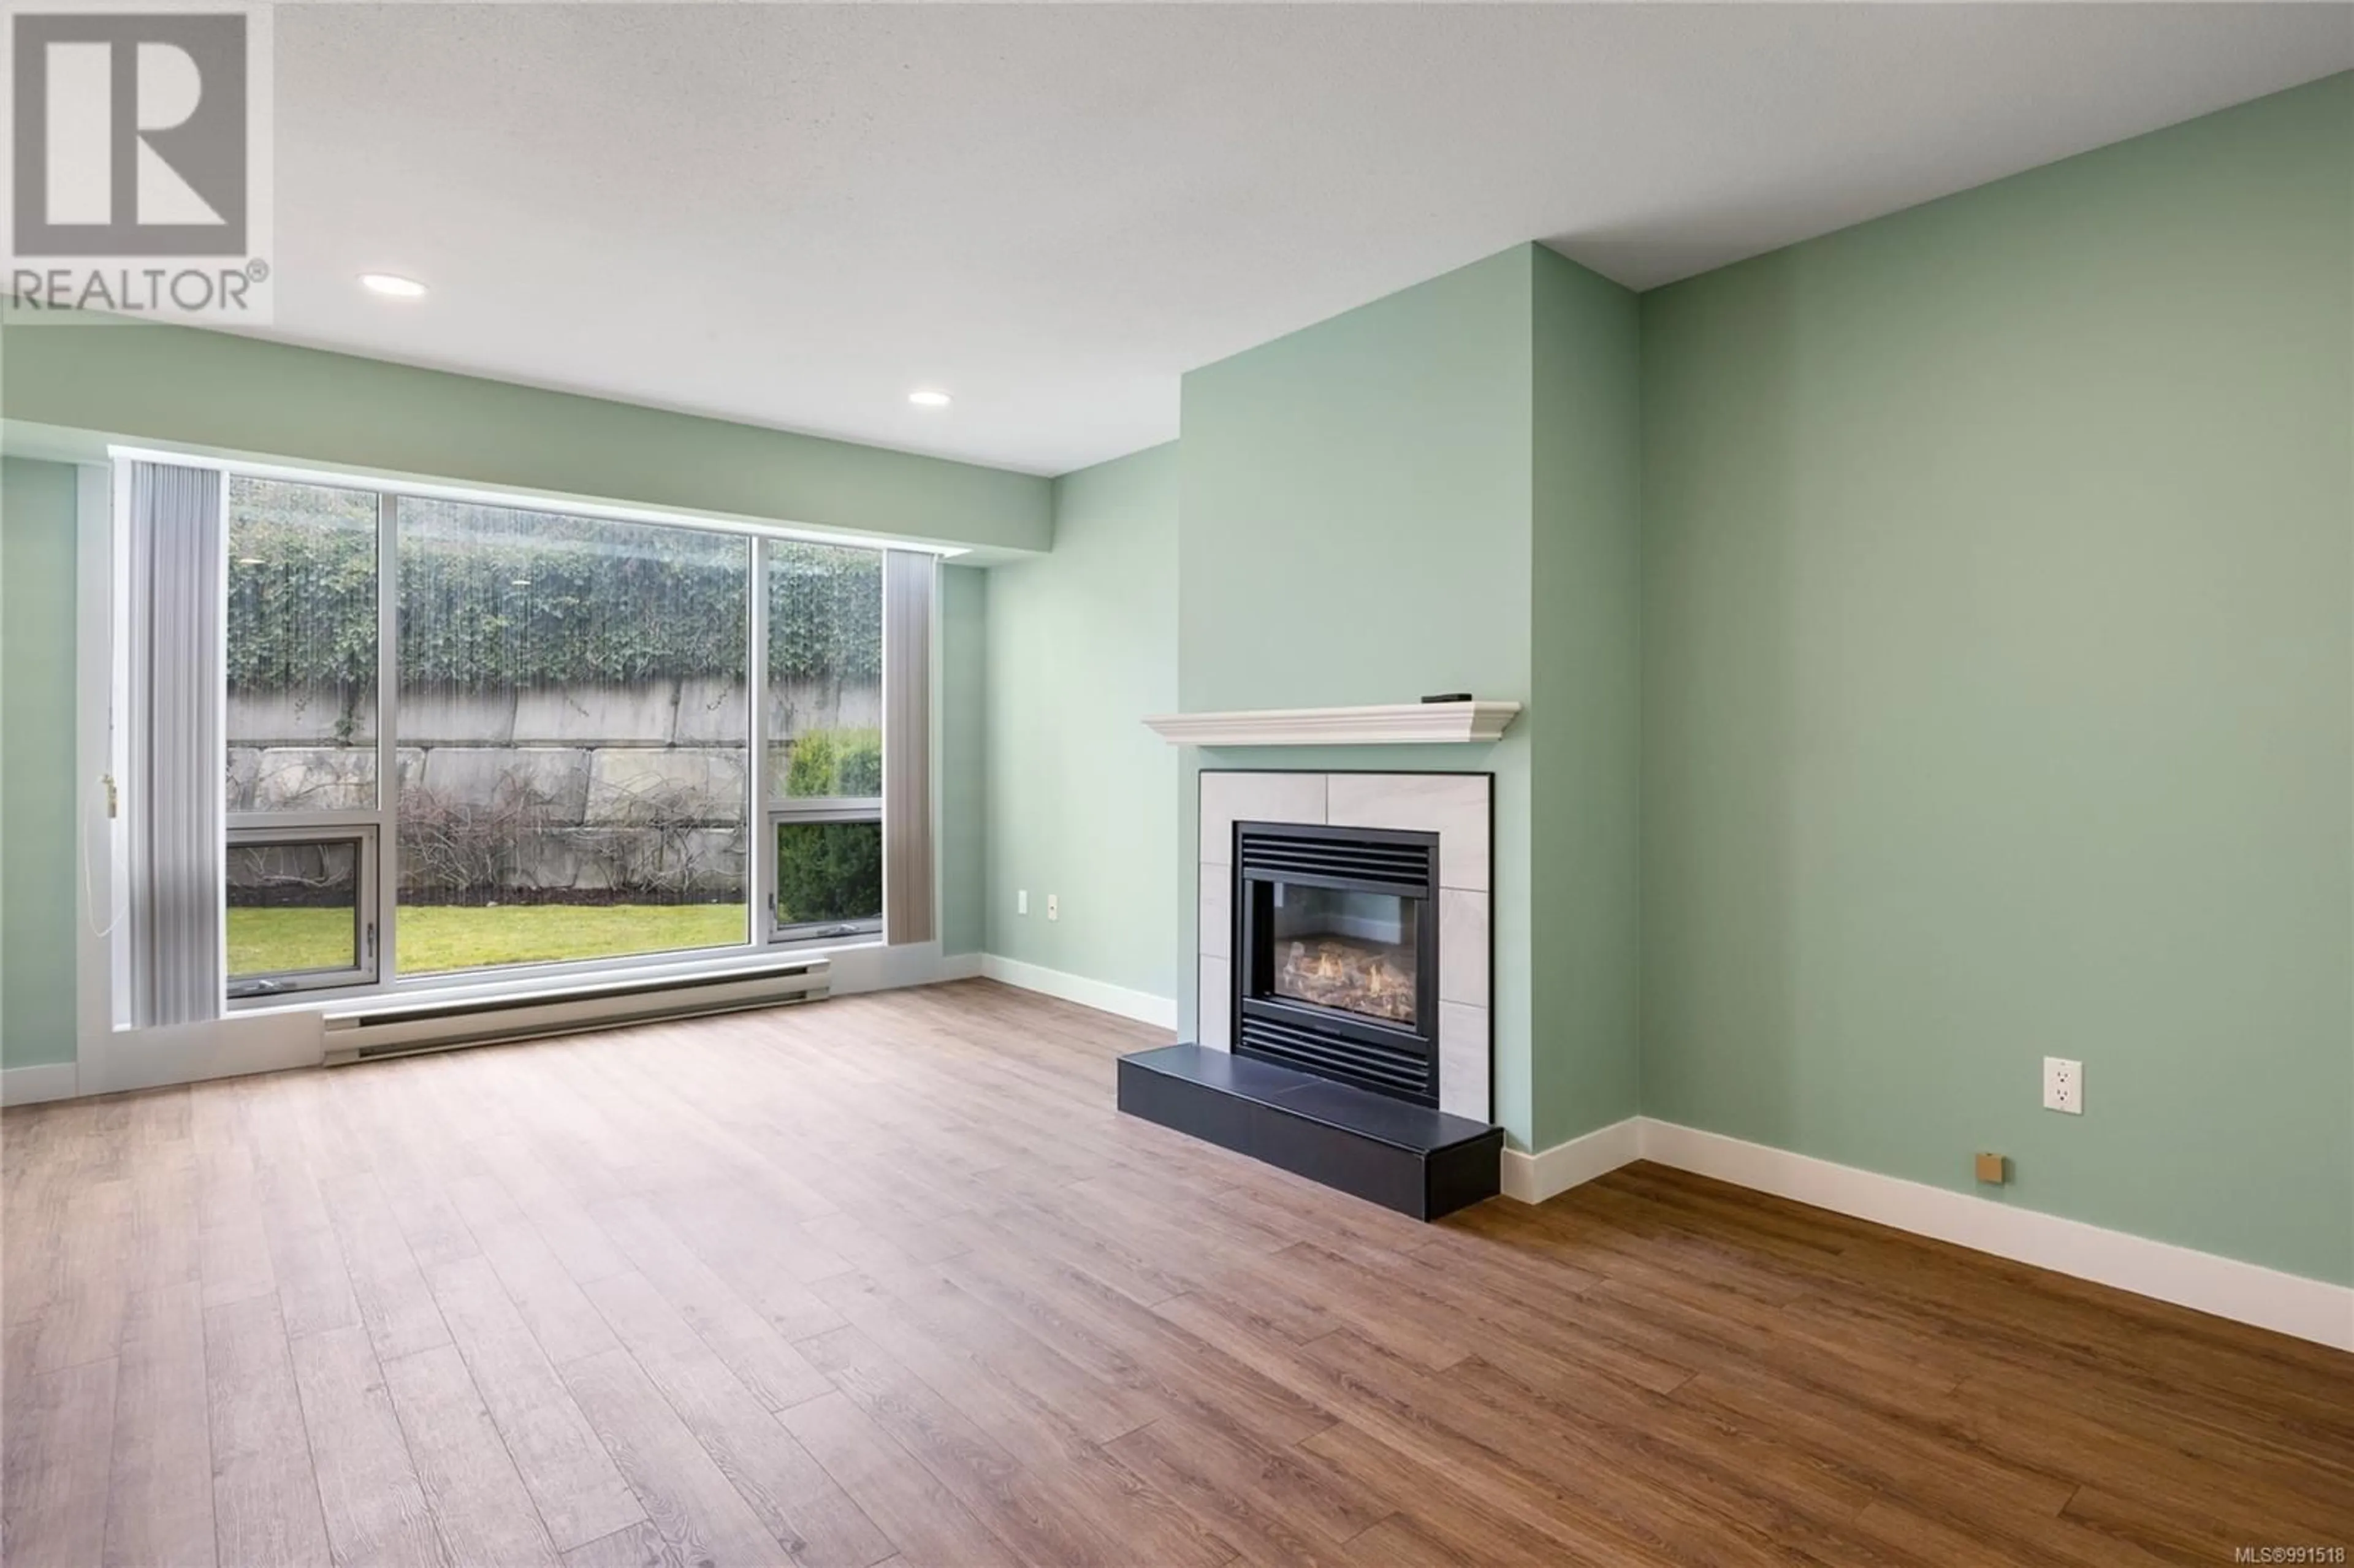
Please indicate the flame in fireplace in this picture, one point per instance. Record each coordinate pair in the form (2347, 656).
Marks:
(1376, 979)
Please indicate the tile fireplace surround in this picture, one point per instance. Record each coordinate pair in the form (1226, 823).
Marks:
(1456, 806)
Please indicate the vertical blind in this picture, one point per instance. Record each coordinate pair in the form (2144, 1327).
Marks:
(908, 588)
(175, 552)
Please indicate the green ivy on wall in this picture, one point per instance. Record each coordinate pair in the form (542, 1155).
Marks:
(495, 598)
(825, 612)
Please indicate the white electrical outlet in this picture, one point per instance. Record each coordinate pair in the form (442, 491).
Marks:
(2063, 1086)
(1054, 908)
(1021, 901)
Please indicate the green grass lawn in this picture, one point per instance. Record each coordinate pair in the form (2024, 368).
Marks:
(435, 937)
(267, 941)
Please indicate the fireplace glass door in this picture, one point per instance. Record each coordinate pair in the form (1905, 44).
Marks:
(1345, 948)
(1336, 968)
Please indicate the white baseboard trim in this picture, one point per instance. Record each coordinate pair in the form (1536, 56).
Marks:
(33, 1086)
(2291, 1304)
(1533, 1177)
(2245, 1292)
(1142, 1005)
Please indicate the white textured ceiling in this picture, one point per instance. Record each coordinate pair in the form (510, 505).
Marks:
(791, 215)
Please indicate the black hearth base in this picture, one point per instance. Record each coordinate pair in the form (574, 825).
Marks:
(1404, 1157)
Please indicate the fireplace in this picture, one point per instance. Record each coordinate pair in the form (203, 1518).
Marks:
(1343, 985)
(1336, 939)
(1383, 822)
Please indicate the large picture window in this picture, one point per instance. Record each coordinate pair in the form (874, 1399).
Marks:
(463, 738)
(574, 725)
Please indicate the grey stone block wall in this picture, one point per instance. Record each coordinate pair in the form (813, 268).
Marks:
(649, 712)
(632, 786)
(558, 774)
(640, 784)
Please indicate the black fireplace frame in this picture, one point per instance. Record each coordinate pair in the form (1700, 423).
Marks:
(1394, 1060)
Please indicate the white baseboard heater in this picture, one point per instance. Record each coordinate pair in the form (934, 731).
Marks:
(442, 1025)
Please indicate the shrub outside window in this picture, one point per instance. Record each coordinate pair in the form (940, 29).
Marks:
(829, 846)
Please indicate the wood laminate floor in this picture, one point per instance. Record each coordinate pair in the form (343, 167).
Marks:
(887, 1281)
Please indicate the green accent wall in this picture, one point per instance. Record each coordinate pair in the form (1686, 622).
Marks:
(1356, 530)
(1370, 505)
(964, 753)
(157, 383)
(1082, 798)
(37, 770)
(1585, 713)
(1998, 688)
(1357, 502)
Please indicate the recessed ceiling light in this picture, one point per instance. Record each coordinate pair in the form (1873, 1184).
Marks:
(926, 397)
(250, 561)
(388, 283)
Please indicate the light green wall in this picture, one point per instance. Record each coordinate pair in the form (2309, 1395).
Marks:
(1438, 492)
(1082, 797)
(1356, 503)
(1356, 529)
(36, 763)
(1999, 680)
(964, 758)
(152, 382)
(1585, 720)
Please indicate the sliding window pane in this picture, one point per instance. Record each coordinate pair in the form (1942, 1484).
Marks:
(829, 876)
(294, 913)
(825, 671)
(302, 647)
(573, 730)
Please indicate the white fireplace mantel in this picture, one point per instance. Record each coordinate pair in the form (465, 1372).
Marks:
(1384, 724)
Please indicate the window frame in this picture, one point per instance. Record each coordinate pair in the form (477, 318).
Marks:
(318, 828)
(380, 976)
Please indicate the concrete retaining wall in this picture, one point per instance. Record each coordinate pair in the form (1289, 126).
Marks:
(553, 789)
